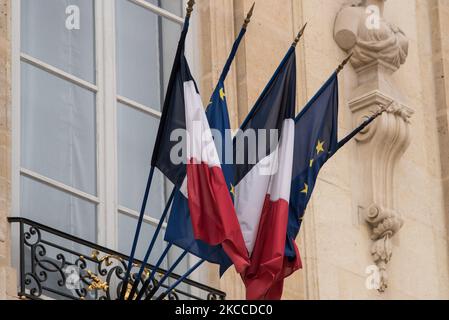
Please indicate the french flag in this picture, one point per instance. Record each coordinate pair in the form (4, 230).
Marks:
(262, 183)
(179, 228)
(186, 154)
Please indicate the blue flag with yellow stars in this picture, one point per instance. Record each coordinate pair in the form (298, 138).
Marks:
(315, 142)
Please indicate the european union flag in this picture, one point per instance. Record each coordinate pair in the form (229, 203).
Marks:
(315, 142)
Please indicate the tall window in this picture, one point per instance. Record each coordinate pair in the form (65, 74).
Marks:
(93, 74)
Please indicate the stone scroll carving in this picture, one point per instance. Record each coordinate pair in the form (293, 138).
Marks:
(379, 150)
(377, 53)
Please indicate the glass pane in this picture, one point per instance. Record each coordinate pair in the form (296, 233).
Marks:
(138, 54)
(169, 43)
(48, 34)
(174, 6)
(146, 45)
(58, 209)
(173, 255)
(58, 136)
(136, 136)
(126, 231)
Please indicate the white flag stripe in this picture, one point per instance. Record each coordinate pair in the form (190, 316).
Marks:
(200, 143)
(281, 182)
(252, 191)
(250, 196)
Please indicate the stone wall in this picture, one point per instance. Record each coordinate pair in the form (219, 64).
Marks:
(7, 274)
(335, 241)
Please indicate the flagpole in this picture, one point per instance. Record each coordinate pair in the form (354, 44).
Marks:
(317, 94)
(224, 73)
(284, 60)
(125, 282)
(137, 234)
(151, 246)
(178, 282)
(199, 263)
(343, 64)
(181, 279)
(152, 275)
(367, 122)
(299, 36)
(236, 44)
(165, 277)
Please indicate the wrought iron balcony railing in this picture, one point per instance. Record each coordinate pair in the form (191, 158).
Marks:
(56, 265)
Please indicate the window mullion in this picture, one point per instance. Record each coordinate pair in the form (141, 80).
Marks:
(107, 124)
(16, 101)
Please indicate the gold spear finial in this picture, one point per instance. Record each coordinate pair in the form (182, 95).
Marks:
(248, 16)
(298, 37)
(190, 5)
(342, 65)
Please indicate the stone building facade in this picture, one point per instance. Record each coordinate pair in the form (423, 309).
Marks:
(7, 273)
(382, 203)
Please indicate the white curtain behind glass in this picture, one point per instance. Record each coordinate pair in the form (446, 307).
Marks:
(136, 137)
(146, 45)
(138, 68)
(44, 35)
(58, 134)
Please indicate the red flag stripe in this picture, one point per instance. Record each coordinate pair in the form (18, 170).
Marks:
(212, 212)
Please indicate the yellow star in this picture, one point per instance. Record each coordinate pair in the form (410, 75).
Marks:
(222, 94)
(306, 189)
(311, 163)
(232, 191)
(320, 147)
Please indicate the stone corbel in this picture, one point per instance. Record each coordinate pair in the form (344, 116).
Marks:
(378, 51)
(380, 147)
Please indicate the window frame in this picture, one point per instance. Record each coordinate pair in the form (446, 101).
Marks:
(107, 99)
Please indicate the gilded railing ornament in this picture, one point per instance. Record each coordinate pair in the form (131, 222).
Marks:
(97, 283)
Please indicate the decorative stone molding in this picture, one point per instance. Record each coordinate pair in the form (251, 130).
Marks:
(361, 29)
(378, 53)
(380, 147)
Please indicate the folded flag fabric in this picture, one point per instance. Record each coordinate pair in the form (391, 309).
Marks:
(199, 175)
(180, 229)
(261, 194)
(316, 131)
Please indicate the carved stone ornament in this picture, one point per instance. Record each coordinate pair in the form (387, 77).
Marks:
(378, 53)
(361, 28)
